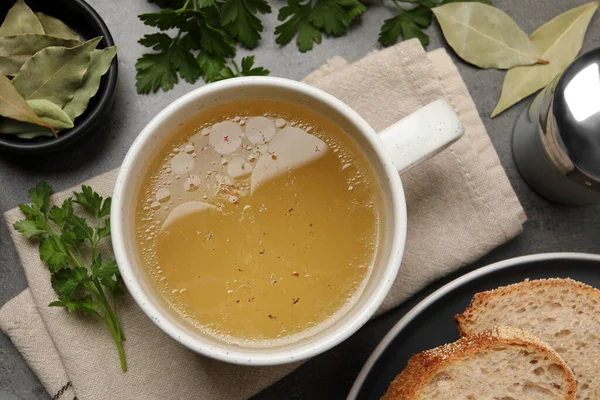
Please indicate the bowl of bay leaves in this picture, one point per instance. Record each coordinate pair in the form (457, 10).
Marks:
(58, 73)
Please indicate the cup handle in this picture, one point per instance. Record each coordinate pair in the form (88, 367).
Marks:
(422, 134)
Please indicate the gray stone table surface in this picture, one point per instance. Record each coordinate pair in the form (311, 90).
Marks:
(550, 227)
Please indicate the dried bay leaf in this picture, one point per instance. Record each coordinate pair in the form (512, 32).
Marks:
(22, 129)
(100, 62)
(485, 36)
(15, 50)
(54, 73)
(559, 41)
(19, 20)
(51, 114)
(12, 104)
(55, 27)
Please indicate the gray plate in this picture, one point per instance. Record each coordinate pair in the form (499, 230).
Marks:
(431, 323)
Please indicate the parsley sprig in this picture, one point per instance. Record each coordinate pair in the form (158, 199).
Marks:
(307, 19)
(69, 245)
(206, 36)
(207, 32)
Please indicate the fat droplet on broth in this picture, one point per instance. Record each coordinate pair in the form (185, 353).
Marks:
(191, 183)
(163, 195)
(182, 163)
(189, 148)
(260, 130)
(225, 137)
(280, 123)
(292, 148)
(186, 209)
(238, 168)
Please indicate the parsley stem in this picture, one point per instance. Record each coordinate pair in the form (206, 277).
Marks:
(74, 258)
(237, 68)
(400, 9)
(102, 318)
(111, 321)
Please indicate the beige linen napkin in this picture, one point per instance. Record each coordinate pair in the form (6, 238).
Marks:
(460, 206)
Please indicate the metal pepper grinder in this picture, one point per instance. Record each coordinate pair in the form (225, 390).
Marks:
(556, 140)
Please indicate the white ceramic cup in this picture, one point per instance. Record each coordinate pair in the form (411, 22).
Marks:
(399, 147)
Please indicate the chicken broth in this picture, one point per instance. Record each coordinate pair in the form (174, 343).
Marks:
(258, 222)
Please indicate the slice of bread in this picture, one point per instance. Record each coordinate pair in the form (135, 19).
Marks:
(561, 312)
(503, 363)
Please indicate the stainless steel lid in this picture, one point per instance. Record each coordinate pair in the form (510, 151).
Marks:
(576, 114)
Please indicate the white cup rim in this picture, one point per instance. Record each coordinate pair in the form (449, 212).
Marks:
(238, 355)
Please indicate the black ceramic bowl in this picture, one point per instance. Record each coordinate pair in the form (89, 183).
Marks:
(86, 22)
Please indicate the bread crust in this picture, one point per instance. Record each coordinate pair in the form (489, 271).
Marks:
(480, 300)
(424, 366)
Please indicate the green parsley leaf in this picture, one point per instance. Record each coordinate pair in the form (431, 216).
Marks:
(105, 210)
(105, 230)
(303, 19)
(296, 15)
(335, 16)
(91, 200)
(40, 196)
(239, 18)
(109, 274)
(156, 41)
(58, 214)
(29, 229)
(70, 305)
(31, 211)
(214, 40)
(79, 227)
(186, 64)
(164, 20)
(211, 66)
(66, 282)
(247, 70)
(53, 251)
(70, 238)
(407, 23)
(88, 306)
(307, 35)
(155, 71)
